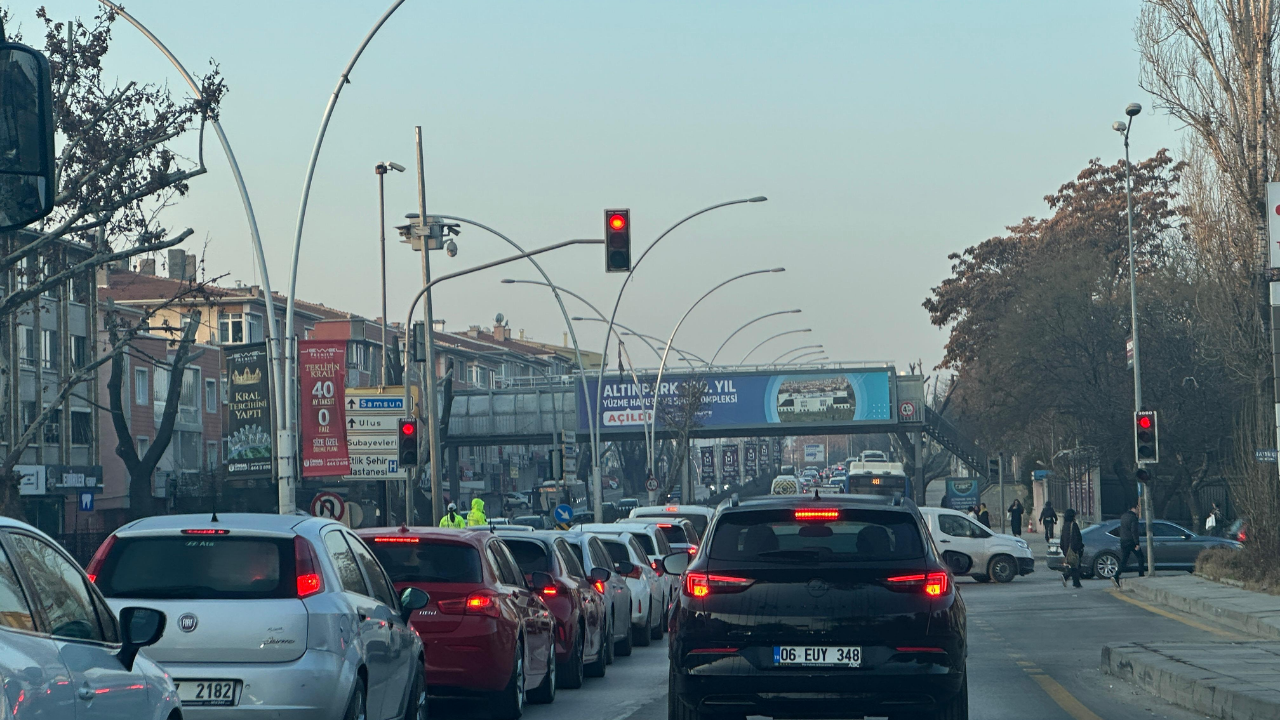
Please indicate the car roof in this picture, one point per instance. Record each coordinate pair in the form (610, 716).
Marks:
(259, 522)
(769, 502)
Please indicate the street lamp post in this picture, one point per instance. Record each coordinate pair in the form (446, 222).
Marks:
(744, 326)
(817, 346)
(803, 356)
(763, 342)
(1119, 126)
(381, 170)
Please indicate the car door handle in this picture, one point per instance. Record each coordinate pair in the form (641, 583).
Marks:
(945, 541)
(85, 692)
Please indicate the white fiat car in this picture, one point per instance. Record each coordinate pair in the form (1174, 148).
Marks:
(973, 549)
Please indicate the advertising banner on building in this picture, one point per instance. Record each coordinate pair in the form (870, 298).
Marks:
(248, 442)
(750, 460)
(322, 379)
(818, 398)
(707, 462)
(814, 453)
(729, 467)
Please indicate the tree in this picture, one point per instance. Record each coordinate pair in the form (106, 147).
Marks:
(679, 415)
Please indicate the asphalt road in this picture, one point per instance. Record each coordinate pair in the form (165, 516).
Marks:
(1034, 652)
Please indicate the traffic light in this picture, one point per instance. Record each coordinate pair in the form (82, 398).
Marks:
(1145, 435)
(993, 468)
(617, 241)
(408, 445)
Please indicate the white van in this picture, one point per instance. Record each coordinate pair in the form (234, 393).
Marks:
(973, 549)
(785, 485)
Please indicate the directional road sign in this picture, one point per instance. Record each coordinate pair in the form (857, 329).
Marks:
(563, 514)
(373, 422)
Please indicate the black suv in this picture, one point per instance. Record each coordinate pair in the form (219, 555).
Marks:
(806, 606)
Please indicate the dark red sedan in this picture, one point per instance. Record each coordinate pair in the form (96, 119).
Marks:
(484, 631)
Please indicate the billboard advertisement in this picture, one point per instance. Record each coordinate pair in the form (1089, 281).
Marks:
(729, 464)
(247, 437)
(746, 400)
(707, 462)
(814, 453)
(322, 380)
(750, 461)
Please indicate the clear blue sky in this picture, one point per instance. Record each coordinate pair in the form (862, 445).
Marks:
(886, 135)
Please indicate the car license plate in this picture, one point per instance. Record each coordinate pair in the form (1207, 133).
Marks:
(817, 656)
(207, 692)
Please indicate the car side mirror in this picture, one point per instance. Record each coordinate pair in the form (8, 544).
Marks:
(26, 146)
(541, 582)
(624, 567)
(676, 563)
(139, 627)
(412, 600)
(600, 574)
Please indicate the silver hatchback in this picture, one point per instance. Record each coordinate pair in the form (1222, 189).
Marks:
(279, 616)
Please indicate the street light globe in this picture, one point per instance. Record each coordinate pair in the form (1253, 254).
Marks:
(1133, 109)
(507, 281)
(778, 270)
(1119, 126)
(451, 247)
(758, 198)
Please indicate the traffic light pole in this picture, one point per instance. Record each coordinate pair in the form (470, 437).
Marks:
(429, 368)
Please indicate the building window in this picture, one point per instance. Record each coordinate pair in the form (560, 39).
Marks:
(81, 427)
(211, 455)
(144, 444)
(22, 273)
(255, 327)
(27, 346)
(210, 395)
(79, 351)
(190, 397)
(28, 415)
(231, 328)
(186, 446)
(53, 427)
(140, 394)
(49, 349)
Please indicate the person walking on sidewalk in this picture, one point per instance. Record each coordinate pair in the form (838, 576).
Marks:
(1048, 518)
(984, 517)
(1072, 547)
(1015, 517)
(1213, 523)
(1129, 544)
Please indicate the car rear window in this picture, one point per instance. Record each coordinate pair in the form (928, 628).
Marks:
(199, 568)
(699, 521)
(428, 562)
(530, 555)
(646, 542)
(617, 551)
(675, 534)
(857, 535)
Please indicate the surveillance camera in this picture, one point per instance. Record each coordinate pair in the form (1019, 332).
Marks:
(451, 247)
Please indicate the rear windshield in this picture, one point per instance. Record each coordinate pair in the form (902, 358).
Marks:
(646, 542)
(617, 551)
(530, 555)
(856, 536)
(675, 534)
(699, 521)
(199, 568)
(428, 562)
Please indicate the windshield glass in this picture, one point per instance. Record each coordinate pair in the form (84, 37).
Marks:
(699, 522)
(199, 568)
(530, 555)
(429, 562)
(856, 536)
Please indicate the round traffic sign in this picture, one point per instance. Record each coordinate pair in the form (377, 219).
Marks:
(328, 505)
(907, 409)
(563, 513)
(651, 485)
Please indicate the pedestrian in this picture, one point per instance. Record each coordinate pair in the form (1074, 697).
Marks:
(1072, 547)
(984, 517)
(1015, 517)
(973, 512)
(1048, 518)
(1213, 523)
(476, 516)
(452, 519)
(1129, 543)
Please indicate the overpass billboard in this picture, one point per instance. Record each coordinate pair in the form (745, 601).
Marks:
(745, 401)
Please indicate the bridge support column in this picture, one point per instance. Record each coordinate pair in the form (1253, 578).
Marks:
(918, 484)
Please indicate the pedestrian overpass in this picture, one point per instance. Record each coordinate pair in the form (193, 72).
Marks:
(835, 399)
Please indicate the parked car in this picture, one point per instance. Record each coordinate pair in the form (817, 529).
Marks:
(646, 588)
(1175, 547)
(1238, 530)
(516, 501)
(486, 633)
(591, 553)
(64, 654)
(698, 515)
(628, 504)
(537, 522)
(654, 541)
(973, 549)
(278, 613)
(577, 606)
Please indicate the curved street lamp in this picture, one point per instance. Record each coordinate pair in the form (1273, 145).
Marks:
(798, 358)
(817, 346)
(744, 327)
(771, 337)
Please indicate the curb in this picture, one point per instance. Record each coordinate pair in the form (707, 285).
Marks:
(1191, 687)
(1252, 623)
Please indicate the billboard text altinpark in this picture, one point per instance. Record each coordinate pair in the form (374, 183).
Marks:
(742, 401)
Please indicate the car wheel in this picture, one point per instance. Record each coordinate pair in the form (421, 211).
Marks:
(622, 648)
(640, 634)
(416, 708)
(509, 703)
(546, 692)
(979, 577)
(355, 706)
(571, 675)
(1106, 565)
(1003, 568)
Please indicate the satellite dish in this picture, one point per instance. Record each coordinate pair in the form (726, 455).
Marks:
(500, 319)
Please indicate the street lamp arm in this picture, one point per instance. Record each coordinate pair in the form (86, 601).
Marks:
(802, 347)
(763, 342)
(802, 356)
(744, 327)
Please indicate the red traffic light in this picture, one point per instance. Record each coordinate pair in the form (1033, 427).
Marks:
(617, 222)
(408, 428)
(1144, 422)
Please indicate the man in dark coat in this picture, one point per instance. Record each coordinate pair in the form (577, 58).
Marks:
(1015, 517)
(1129, 543)
(1072, 547)
(1049, 518)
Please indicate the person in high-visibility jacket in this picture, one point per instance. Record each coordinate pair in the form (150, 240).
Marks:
(477, 516)
(452, 519)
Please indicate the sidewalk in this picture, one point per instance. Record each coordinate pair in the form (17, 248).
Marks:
(1228, 680)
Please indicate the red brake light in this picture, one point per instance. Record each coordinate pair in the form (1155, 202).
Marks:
(671, 508)
(656, 568)
(693, 549)
(935, 584)
(99, 557)
(820, 514)
(206, 531)
(700, 585)
(665, 525)
(599, 586)
(394, 539)
(480, 602)
(549, 591)
(307, 568)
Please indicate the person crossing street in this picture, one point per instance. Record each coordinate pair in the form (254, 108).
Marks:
(1049, 518)
(1072, 548)
(1129, 543)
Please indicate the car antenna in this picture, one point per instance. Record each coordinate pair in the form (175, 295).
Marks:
(815, 494)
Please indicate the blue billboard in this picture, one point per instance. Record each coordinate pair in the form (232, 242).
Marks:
(740, 401)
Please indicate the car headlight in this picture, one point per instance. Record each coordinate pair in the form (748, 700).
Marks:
(1023, 544)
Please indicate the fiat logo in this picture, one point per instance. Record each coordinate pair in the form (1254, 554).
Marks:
(187, 622)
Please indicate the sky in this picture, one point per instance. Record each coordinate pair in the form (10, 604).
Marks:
(886, 136)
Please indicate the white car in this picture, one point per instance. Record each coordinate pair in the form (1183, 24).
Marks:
(699, 515)
(653, 540)
(647, 601)
(973, 549)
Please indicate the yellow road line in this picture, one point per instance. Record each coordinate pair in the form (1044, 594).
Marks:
(1065, 700)
(1173, 616)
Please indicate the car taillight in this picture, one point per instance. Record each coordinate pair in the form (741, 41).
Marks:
(817, 514)
(634, 574)
(99, 557)
(700, 585)
(549, 591)
(307, 568)
(657, 569)
(480, 602)
(693, 549)
(598, 585)
(934, 584)
(206, 531)
(395, 539)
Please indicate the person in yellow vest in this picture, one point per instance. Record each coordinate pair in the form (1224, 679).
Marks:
(476, 516)
(452, 519)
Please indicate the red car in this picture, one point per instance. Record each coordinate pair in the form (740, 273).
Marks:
(484, 631)
(573, 598)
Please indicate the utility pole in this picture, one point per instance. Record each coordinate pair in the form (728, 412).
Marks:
(429, 370)
(1003, 528)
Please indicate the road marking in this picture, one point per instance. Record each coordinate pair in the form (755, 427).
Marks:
(1026, 663)
(1173, 616)
(1065, 700)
